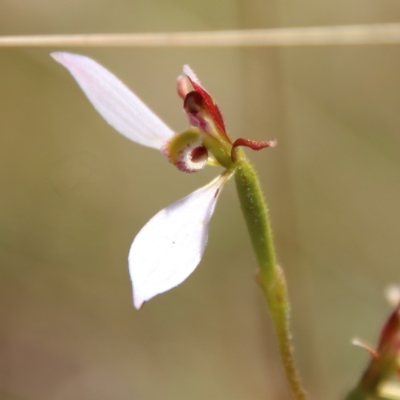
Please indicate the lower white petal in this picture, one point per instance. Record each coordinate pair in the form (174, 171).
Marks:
(170, 246)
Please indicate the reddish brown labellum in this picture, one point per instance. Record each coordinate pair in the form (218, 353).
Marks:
(199, 154)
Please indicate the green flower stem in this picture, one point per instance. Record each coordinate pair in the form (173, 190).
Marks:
(271, 278)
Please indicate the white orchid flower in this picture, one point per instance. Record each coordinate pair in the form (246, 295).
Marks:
(170, 246)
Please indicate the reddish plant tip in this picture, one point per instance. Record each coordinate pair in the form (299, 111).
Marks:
(370, 350)
(384, 362)
(254, 144)
(391, 330)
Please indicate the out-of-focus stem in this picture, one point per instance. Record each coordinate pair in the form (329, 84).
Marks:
(358, 393)
(341, 35)
(270, 275)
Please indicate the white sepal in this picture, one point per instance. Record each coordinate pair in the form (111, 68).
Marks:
(120, 107)
(170, 246)
(190, 74)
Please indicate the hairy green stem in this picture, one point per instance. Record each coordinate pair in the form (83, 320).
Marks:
(271, 277)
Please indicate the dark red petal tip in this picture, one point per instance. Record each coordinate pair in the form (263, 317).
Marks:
(209, 104)
(254, 144)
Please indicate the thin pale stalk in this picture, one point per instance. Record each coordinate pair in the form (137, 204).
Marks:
(373, 34)
(270, 275)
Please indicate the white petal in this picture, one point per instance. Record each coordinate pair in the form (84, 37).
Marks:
(190, 74)
(170, 246)
(121, 108)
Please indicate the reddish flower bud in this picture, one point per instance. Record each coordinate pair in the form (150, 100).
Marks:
(384, 361)
(208, 116)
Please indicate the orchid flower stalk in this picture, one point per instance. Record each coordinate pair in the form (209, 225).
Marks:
(170, 246)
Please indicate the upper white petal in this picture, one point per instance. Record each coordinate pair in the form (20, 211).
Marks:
(170, 246)
(190, 74)
(121, 108)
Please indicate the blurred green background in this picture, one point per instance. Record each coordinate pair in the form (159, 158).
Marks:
(74, 193)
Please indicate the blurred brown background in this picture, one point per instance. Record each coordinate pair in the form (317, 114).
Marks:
(74, 193)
